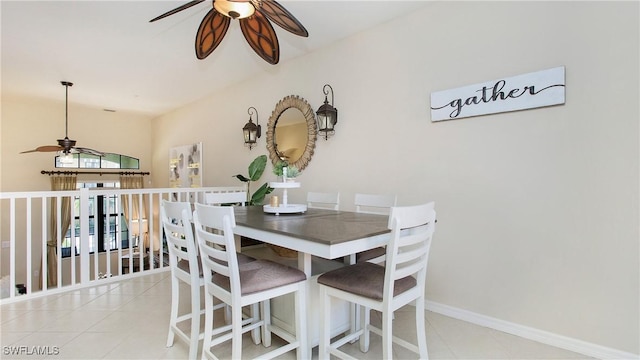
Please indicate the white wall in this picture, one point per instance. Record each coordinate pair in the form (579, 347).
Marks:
(538, 209)
(27, 123)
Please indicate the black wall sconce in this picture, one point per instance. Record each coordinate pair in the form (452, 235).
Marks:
(251, 131)
(327, 115)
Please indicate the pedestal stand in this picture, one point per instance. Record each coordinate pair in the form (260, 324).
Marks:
(285, 207)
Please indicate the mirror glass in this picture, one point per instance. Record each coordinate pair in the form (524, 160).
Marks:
(291, 132)
(290, 135)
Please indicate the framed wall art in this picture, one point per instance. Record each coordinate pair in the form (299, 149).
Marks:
(185, 166)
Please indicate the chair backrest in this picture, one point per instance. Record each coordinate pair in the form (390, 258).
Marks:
(176, 222)
(412, 230)
(320, 200)
(220, 198)
(374, 204)
(214, 232)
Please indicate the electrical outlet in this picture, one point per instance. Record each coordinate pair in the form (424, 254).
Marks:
(6, 244)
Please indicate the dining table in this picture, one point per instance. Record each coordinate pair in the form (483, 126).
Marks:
(321, 233)
(328, 234)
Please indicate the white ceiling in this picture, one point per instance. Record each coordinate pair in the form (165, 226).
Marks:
(118, 60)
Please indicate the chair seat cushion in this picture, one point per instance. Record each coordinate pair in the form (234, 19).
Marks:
(184, 266)
(261, 275)
(242, 259)
(364, 279)
(370, 254)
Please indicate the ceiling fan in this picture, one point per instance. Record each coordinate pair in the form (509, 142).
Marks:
(66, 146)
(254, 16)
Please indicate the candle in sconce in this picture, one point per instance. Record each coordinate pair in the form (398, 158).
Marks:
(274, 201)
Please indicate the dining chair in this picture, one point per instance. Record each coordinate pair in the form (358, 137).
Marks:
(385, 289)
(184, 256)
(186, 268)
(235, 198)
(321, 200)
(219, 198)
(373, 204)
(238, 198)
(240, 285)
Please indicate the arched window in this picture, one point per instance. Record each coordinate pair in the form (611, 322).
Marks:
(108, 161)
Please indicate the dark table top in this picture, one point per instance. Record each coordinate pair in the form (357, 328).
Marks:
(327, 227)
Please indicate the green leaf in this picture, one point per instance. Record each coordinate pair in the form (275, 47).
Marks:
(242, 178)
(259, 195)
(277, 168)
(257, 166)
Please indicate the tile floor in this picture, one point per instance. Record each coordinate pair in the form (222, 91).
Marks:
(128, 320)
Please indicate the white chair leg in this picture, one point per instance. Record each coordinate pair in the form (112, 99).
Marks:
(387, 335)
(255, 317)
(236, 335)
(195, 321)
(208, 324)
(355, 318)
(421, 331)
(266, 325)
(325, 315)
(175, 299)
(365, 315)
(303, 352)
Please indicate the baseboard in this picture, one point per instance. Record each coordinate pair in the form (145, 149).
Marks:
(545, 337)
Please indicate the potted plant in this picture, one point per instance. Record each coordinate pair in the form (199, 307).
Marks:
(277, 167)
(256, 168)
(292, 170)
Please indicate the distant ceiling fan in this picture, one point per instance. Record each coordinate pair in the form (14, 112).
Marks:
(254, 16)
(66, 146)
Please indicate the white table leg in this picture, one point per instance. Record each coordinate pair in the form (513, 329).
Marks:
(304, 263)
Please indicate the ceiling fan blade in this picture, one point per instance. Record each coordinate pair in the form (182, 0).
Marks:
(261, 37)
(88, 151)
(279, 15)
(210, 33)
(178, 9)
(45, 148)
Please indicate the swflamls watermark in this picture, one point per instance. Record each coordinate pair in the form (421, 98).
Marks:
(24, 350)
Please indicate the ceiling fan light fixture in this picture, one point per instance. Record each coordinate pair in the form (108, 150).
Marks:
(65, 157)
(255, 18)
(234, 10)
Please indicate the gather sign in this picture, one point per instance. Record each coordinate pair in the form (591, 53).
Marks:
(526, 91)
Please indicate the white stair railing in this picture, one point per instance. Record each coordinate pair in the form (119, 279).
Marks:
(24, 233)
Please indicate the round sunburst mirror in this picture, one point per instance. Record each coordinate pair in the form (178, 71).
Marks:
(291, 132)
